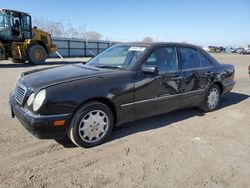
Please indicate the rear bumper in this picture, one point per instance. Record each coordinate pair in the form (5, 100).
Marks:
(39, 125)
(228, 87)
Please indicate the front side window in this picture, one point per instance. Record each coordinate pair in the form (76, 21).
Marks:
(189, 58)
(119, 56)
(164, 58)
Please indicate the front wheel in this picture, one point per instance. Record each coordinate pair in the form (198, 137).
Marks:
(36, 54)
(212, 99)
(91, 125)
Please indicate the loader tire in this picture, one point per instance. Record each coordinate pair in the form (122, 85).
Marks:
(36, 54)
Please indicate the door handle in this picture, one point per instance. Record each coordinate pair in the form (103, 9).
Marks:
(176, 78)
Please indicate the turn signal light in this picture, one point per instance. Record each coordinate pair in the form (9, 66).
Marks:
(59, 123)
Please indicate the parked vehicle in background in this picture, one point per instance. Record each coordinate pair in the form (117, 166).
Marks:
(245, 51)
(124, 83)
(20, 42)
(240, 50)
(215, 49)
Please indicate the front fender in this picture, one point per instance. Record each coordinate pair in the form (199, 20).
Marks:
(67, 97)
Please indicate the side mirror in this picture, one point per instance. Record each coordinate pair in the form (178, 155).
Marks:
(150, 69)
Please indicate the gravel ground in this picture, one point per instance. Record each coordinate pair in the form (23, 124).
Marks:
(186, 148)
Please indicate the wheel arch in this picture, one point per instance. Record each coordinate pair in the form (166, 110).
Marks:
(105, 101)
(44, 46)
(219, 84)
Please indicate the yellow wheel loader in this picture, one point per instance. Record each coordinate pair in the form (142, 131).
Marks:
(20, 42)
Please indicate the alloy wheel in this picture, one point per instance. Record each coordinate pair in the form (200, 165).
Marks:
(213, 98)
(93, 126)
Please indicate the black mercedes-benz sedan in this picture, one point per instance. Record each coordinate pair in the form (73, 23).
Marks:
(124, 83)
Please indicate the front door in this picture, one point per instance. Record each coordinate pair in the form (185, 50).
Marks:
(158, 93)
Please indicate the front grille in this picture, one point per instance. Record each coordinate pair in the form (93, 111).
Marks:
(20, 93)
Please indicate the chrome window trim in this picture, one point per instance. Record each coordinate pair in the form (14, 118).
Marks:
(190, 69)
(162, 97)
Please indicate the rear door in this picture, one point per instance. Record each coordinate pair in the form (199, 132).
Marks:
(189, 66)
(206, 72)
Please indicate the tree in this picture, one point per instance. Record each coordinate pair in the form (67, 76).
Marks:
(58, 29)
(72, 32)
(148, 40)
(92, 35)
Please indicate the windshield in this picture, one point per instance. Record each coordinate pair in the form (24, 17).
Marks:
(119, 56)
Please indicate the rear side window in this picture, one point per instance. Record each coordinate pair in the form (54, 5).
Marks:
(189, 58)
(204, 60)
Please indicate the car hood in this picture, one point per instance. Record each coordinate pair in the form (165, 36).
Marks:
(42, 78)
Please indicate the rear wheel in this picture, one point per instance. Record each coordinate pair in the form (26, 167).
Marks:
(91, 125)
(212, 99)
(36, 54)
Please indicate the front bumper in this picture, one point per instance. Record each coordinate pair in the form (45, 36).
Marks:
(40, 126)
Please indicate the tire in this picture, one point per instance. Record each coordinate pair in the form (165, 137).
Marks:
(36, 54)
(212, 99)
(91, 125)
(17, 60)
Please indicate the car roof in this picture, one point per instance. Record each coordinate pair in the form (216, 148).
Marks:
(155, 44)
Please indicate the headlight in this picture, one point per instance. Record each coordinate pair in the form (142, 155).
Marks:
(30, 99)
(38, 101)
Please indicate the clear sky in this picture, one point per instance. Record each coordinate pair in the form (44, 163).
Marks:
(202, 22)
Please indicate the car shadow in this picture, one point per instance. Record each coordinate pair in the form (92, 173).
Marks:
(164, 120)
(26, 65)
